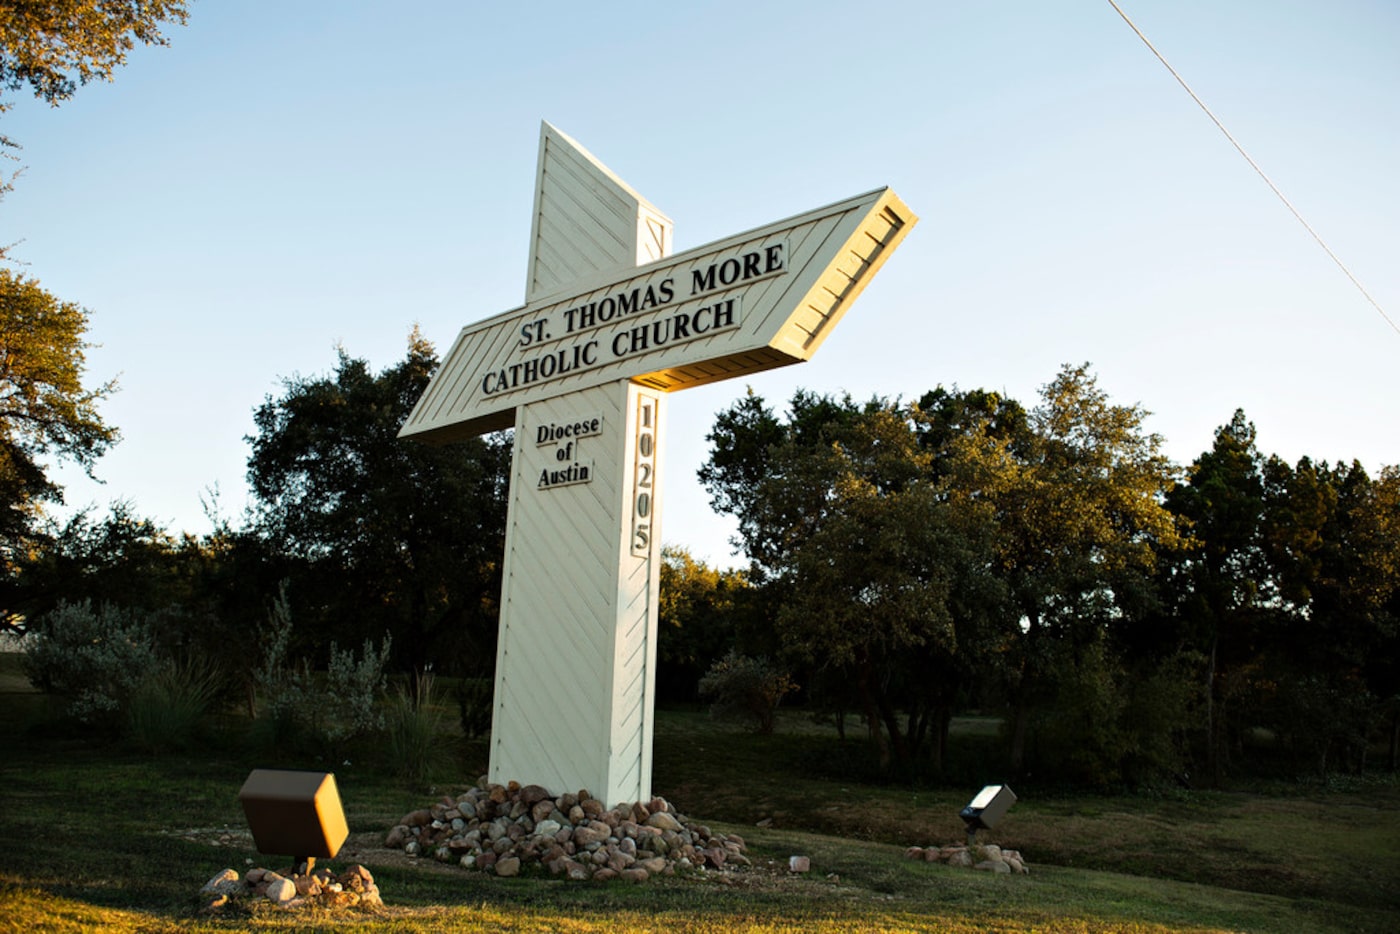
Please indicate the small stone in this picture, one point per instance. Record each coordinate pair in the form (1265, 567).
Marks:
(533, 794)
(604, 874)
(228, 882)
(658, 804)
(418, 818)
(508, 866)
(989, 865)
(398, 836)
(663, 821)
(281, 891)
(370, 897)
(799, 864)
(960, 858)
(215, 903)
(589, 835)
(308, 886)
(654, 865)
(254, 876)
(634, 875)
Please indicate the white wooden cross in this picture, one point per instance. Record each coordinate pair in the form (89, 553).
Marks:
(612, 322)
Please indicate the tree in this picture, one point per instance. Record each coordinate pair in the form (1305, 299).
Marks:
(846, 531)
(380, 534)
(45, 412)
(698, 617)
(1077, 504)
(53, 46)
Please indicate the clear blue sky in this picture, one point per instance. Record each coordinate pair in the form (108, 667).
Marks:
(289, 176)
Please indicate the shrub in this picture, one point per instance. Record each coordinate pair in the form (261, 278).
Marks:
(474, 705)
(94, 658)
(334, 709)
(747, 689)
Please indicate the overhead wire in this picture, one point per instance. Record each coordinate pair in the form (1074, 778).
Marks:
(1254, 165)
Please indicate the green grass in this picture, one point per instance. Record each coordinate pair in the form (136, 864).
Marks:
(99, 835)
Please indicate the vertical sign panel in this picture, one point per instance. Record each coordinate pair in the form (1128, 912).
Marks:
(644, 483)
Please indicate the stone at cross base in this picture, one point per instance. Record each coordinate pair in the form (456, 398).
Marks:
(612, 322)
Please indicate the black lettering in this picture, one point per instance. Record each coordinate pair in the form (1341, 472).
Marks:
(627, 302)
(702, 282)
(607, 308)
(590, 353)
(569, 319)
(617, 350)
(667, 290)
(729, 271)
(774, 255)
(724, 314)
(682, 327)
(751, 265)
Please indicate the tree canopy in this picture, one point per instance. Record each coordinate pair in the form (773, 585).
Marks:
(45, 410)
(54, 46)
(384, 535)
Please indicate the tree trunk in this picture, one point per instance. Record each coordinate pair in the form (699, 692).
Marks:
(943, 720)
(872, 715)
(1020, 723)
(1395, 741)
(1213, 743)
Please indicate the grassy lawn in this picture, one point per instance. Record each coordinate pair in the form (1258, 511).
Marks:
(94, 835)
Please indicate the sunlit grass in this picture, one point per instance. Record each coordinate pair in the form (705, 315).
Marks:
(99, 835)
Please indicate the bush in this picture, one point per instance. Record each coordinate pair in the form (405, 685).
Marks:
(94, 658)
(474, 705)
(332, 710)
(747, 689)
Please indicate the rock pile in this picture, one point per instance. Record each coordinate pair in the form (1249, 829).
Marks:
(324, 888)
(504, 829)
(987, 857)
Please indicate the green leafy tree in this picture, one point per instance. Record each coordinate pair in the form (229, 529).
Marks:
(46, 413)
(698, 618)
(1077, 505)
(845, 529)
(376, 534)
(54, 46)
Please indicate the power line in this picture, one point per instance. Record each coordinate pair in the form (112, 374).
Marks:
(1254, 165)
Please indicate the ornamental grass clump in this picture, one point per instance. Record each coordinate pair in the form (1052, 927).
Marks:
(167, 706)
(415, 728)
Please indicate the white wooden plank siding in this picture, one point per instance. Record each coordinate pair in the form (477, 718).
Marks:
(831, 253)
(576, 651)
